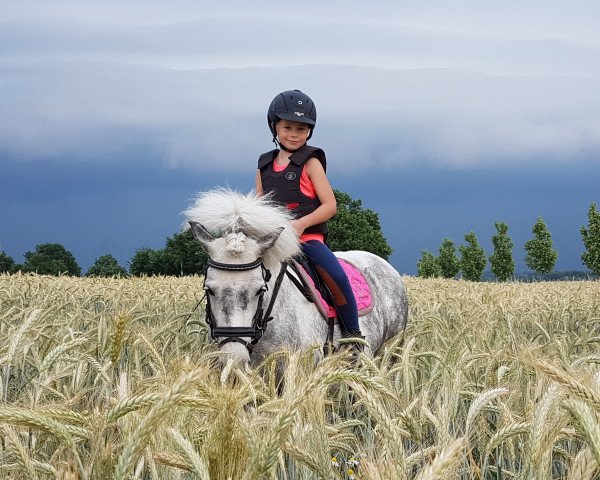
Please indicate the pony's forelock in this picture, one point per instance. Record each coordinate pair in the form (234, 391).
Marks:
(223, 211)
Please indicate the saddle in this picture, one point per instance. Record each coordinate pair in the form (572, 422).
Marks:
(316, 291)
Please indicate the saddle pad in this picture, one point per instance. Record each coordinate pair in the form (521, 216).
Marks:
(360, 288)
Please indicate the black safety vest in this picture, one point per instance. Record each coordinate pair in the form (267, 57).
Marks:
(285, 185)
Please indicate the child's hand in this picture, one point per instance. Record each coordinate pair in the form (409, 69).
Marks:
(298, 226)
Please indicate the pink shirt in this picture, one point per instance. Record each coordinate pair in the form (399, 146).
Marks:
(308, 189)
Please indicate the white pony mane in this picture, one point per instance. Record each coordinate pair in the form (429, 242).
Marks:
(224, 212)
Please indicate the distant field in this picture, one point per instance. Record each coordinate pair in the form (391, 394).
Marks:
(103, 378)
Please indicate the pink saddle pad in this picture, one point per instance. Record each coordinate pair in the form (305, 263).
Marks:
(360, 288)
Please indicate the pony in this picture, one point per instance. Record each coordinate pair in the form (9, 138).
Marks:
(253, 305)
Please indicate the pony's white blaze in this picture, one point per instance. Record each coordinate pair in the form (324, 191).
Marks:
(234, 302)
(241, 233)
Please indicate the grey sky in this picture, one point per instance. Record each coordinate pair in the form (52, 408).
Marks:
(183, 86)
(511, 37)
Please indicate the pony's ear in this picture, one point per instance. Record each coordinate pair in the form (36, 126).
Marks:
(268, 240)
(201, 234)
(243, 226)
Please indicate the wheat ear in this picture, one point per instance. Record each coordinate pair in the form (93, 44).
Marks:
(307, 458)
(30, 418)
(566, 380)
(199, 467)
(18, 451)
(438, 469)
(505, 433)
(137, 441)
(480, 402)
(172, 461)
(587, 421)
(584, 466)
(138, 402)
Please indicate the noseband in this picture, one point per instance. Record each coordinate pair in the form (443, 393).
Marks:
(260, 319)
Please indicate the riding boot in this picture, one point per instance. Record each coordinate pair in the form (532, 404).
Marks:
(354, 342)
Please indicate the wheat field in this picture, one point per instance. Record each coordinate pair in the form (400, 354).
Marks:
(115, 378)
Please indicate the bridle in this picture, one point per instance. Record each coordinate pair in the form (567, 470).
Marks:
(261, 318)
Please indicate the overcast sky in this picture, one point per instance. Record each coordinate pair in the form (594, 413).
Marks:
(443, 117)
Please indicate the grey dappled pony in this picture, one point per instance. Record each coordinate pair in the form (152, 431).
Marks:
(248, 239)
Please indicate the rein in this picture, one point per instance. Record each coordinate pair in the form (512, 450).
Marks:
(261, 318)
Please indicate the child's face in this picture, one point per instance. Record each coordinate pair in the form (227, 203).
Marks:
(292, 135)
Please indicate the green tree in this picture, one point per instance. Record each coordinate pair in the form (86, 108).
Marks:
(7, 264)
(591, 239)
(473, 259)
(428, 266)
(355, 228)
(503, 265)
(51, 259)
(106, 266)
(183, 255)
(352, 228)
(541, 255)
(447, 259)
(147, 262)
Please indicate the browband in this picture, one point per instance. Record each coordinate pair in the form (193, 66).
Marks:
(235, 266)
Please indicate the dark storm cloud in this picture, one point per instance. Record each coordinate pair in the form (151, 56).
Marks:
(211, 119)
(120, 208)
(443, 117)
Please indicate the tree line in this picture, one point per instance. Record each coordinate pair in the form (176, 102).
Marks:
(540, 254)
(353, 228)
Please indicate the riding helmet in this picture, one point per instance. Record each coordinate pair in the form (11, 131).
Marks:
(292, 105)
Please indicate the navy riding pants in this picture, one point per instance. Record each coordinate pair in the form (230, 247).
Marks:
(335, 278)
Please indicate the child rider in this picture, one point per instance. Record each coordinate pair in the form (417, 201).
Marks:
(294, 174)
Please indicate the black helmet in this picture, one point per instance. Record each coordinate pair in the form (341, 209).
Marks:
(292, 105)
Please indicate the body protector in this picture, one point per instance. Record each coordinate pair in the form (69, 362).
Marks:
(284, 186)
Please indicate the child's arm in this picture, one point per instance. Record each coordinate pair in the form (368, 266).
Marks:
(328, 207)
(258, 181)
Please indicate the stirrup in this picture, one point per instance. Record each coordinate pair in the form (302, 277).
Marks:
(354, 341)
(328, 349)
